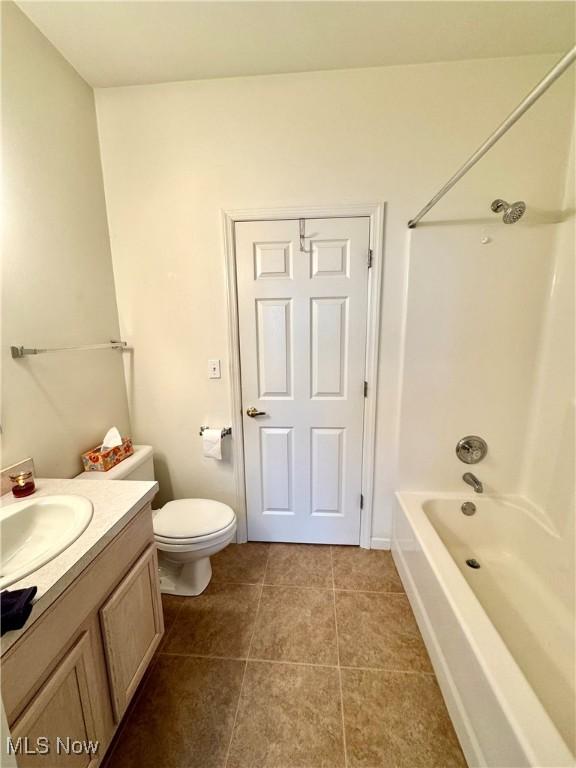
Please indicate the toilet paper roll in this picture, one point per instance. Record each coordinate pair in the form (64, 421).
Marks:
(212, 443)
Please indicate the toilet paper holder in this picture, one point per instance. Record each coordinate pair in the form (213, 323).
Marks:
(225, 431)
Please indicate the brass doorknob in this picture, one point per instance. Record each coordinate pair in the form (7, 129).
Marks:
(252, 412)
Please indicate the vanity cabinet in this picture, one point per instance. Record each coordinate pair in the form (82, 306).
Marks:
(132, 627)
(71, 675)
(62, 709)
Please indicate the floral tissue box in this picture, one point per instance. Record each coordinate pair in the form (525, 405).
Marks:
(96, 460)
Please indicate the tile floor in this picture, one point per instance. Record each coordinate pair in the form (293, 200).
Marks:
(296, 656)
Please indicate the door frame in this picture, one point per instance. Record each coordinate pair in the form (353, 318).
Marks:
(375, 212)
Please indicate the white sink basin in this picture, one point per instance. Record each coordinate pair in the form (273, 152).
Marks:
(36, 530)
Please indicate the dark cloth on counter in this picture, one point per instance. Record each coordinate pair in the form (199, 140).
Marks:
(16, 607)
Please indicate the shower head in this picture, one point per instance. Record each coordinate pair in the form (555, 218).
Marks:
(513, 212)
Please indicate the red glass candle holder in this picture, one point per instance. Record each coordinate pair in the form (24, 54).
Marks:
(22, 484)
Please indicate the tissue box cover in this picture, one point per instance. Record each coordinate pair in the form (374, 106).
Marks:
(96, 460)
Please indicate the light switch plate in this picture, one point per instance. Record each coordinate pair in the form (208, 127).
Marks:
(213, 369)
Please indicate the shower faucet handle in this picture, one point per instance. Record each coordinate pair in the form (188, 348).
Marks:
(471, 449)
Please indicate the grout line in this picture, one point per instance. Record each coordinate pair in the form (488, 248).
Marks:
(299, 663)
(246, 662)
(236, 713)
(389, 669)
(252, 658)
(301, 586)
(338, 659)
(373, 591)
(204, 656)
(266, 566)
(306, 586)
(258, 607)
(235, 583)
(293, 663)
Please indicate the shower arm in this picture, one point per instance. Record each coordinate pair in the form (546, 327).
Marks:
(512, 118)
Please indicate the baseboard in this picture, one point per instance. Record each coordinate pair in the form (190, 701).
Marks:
(379, 543)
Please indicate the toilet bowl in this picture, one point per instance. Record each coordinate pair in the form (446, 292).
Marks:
(187, 531)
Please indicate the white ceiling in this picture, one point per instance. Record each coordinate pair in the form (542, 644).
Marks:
(128, 42)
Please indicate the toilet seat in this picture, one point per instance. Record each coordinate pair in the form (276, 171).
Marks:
(192, 541)
(192, 521)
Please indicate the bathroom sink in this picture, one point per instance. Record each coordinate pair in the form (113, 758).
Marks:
(37, 529)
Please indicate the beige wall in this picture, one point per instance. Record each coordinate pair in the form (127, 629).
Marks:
(57, 280)
(174, 155)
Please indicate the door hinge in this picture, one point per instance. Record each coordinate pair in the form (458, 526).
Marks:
(365, 389)
(370, 259)
(361, 501)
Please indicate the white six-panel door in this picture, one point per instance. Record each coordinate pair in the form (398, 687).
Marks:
(302, 317)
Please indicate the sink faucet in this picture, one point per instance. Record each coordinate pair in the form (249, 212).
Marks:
(472, 480)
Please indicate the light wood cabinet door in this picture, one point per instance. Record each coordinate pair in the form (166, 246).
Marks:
(60, 717)
(132, 627)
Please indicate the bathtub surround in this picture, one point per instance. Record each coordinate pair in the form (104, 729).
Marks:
(57, 281)
(175, 155)
(548, 477)
(507, 338)
(473, 369)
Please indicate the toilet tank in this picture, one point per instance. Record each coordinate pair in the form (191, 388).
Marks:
(139, 466)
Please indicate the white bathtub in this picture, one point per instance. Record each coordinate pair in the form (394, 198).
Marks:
(500, 638)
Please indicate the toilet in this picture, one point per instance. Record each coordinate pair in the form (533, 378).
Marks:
(187, 531)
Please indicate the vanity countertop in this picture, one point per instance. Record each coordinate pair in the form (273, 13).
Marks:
(115, 503)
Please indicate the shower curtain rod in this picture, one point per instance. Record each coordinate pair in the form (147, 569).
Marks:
(523, 107)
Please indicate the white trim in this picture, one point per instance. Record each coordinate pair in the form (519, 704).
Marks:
(237, 438)
(372, 351)
(375, 211)
(378, 543)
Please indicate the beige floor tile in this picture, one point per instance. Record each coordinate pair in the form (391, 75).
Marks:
(369, 570)
(396, 720)
(184, 717)
(296, 625)
(302, 565)
(289, 717)
(240, 563)
(379, 631)
(219, 622)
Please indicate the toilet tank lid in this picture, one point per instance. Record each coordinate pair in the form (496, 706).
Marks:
(141, 454)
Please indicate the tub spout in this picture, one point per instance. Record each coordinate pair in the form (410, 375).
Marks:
(472, 480)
